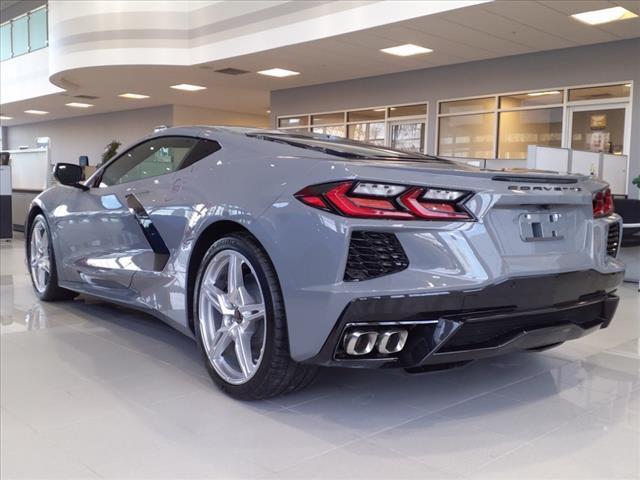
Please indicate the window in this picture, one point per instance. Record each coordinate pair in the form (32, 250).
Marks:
(294, 121)
(408, 110)
(38, 29)
(201, 150)
(152, 158)
(504, 125)
(327, 118)
(407, 136)
(20, 36)
(599, 93)
(599, 130)
(402, 127)
(366, 115)
(333, 130)
(24, 34)
(5, 41)
(532, 99)
(373, 133)
(468, 136)
(519, 129)
(466, 106)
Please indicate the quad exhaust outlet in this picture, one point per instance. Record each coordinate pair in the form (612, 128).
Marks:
(363, 342)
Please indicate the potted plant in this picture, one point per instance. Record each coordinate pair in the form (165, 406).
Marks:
(110, 151)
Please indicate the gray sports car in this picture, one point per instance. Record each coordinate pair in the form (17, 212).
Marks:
(280, 252)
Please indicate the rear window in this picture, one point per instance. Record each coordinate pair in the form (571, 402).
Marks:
(344, 148)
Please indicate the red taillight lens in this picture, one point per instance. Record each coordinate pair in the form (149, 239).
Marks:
(397, 202)
(602, 203)
(431, 210)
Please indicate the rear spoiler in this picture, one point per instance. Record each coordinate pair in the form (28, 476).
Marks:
(534, 179)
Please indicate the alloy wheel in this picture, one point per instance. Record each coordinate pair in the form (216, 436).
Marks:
(232, 317)
(39, 260)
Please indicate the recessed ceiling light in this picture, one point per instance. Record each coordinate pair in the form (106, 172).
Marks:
(134, 96)
(406, 50)
(278, 72)
(188, 87)
(36, 112)
(79, 105)
(268, 111)
(605, 15)
(5, 117)
(539, 94)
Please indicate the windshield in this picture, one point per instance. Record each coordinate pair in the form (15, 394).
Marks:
(343, 148)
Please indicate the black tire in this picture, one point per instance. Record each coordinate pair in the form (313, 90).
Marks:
(52, 291)
(277, 373)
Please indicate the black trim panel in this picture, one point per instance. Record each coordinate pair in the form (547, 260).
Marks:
(542, 296)
(534, 179)
(160, 250)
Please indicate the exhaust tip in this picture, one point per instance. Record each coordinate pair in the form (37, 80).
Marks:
(360, 343)
(392, 341)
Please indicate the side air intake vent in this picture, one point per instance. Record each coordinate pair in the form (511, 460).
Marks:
(374, 254)
(613, 239)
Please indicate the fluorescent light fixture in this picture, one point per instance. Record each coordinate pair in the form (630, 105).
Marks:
(133, 96)
(406, 50)
(188, 87)
(606, 15)
(36, 112)
(278, 72)
(540, 94)
(79, 105)
(5, 117)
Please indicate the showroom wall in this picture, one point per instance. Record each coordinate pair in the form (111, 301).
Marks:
(89, 134)
(189, 115)
(600, 63)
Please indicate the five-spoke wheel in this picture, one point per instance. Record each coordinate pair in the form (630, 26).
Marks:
(39, 260)
(240, 321)
(42, 262)
(232, 316)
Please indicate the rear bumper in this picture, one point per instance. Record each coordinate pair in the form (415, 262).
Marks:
(516, 314)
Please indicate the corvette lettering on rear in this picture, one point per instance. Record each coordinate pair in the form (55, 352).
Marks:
(543, 188)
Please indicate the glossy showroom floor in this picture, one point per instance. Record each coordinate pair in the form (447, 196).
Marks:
(90, 390)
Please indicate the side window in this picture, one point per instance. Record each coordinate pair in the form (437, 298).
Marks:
(158, 156)
(203, 149)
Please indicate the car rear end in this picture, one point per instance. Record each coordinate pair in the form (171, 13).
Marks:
(407, 263)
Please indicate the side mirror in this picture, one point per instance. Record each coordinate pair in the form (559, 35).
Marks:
(69, 174)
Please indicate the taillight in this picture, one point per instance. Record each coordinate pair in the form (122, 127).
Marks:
(396, 202)
(602, 203)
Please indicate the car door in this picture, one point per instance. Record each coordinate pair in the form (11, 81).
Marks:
(106, 234)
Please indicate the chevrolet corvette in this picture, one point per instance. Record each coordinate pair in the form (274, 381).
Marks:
(280, 252)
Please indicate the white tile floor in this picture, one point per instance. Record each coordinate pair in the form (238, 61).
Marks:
(92, 390)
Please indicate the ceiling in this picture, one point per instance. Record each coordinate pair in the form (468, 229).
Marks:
(489, 30)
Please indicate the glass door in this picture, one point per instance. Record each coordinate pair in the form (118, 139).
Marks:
(599, 128)
(407, 135)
